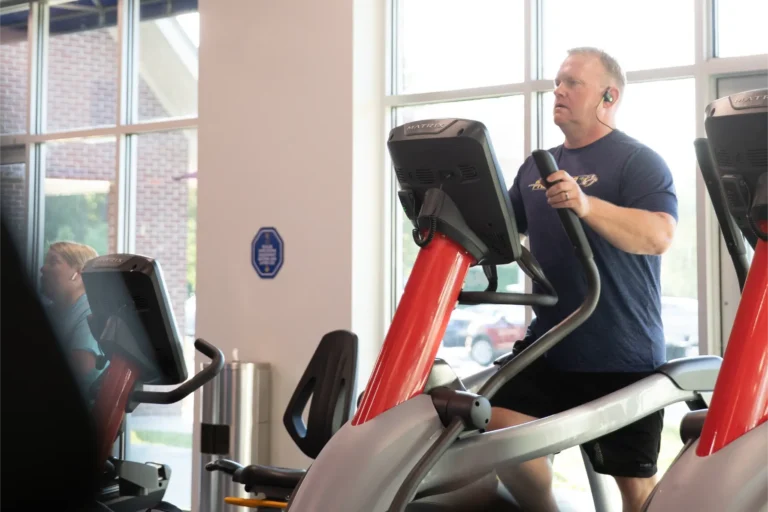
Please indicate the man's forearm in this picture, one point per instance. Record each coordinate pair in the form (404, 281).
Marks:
(629, 229)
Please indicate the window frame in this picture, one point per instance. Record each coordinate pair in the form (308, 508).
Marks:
(32, 144)
(705, 71)
(127, 127)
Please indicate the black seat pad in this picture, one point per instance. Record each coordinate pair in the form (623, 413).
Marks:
(268, 476)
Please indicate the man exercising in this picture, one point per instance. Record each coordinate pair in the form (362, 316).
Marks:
(624, 195)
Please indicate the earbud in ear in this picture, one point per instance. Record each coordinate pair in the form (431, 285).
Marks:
(607, 96)
(73, 276)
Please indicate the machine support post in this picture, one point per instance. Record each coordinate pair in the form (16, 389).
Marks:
(417, 328)
(118, 384)
(745, 367)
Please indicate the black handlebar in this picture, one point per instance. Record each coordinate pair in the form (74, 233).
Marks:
(731, 232)
(226, 466)
(196, 382)
(547, 166)
(531, 268)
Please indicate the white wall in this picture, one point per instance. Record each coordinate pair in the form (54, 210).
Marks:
(281, 93)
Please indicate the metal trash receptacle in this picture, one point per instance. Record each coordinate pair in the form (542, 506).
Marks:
(234, 425)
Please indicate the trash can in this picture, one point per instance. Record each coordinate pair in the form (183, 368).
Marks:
(234, 425)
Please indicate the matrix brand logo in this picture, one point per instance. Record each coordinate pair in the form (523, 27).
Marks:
(752, 100)
(428, 127)
(425, 126)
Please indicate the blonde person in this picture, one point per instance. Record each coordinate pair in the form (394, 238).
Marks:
(62, 283)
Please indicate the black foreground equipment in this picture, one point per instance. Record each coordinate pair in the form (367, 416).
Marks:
(45, 416)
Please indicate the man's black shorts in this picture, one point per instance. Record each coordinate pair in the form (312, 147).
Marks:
(541, 391)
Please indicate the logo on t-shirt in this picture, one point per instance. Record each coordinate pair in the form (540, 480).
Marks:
(585, 180)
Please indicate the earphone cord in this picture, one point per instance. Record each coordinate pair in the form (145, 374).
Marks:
(598, 117)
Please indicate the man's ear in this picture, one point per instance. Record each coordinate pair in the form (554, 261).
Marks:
(611, 96)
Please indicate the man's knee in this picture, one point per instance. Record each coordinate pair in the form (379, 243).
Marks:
(503, 418)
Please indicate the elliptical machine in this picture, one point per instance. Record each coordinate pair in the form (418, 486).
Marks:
(133, 321)
(418, 433)
(731, 437)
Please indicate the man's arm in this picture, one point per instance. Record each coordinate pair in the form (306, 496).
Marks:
(83, 348)
(82, 361)
(629, 229)
(644, 220)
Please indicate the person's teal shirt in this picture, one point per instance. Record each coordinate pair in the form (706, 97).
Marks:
(74, 333)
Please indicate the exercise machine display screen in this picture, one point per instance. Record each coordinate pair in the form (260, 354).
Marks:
(456, 156)
(131, 287)
(737, 133)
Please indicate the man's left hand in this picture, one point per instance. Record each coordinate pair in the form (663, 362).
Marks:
(567, 194)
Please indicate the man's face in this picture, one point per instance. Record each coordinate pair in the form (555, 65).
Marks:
(580, 84)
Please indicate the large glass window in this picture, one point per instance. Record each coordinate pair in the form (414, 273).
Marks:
(568, 24)
(741, 27)
(168, 63)
(456, 44)
(166, 213)
(81, 200)
(82, 68)
(130, 184)
(476, 335)
(14, 72)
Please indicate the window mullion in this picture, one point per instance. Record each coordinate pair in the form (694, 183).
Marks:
(37, 26)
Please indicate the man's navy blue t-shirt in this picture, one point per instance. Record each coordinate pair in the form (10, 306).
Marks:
(625, 333)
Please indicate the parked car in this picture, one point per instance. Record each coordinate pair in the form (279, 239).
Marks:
(494, 334)
(489, 331)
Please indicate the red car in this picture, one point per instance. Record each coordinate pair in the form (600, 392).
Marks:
(495, 332)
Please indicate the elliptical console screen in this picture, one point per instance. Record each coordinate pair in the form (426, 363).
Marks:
(132, 287)
(456, 156)
(737, 132)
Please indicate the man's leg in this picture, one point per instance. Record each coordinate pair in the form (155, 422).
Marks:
(635, 491)
(530, 482)
(630, 455)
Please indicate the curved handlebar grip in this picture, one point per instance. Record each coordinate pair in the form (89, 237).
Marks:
(547, 166)
(197, 381)
(224, 465)
(730, 230)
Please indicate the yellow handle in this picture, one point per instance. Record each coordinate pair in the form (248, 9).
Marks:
(245, 502)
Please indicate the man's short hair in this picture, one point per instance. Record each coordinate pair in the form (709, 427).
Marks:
(610, 64)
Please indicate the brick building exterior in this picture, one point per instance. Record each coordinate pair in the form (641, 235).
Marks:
(82, 93)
